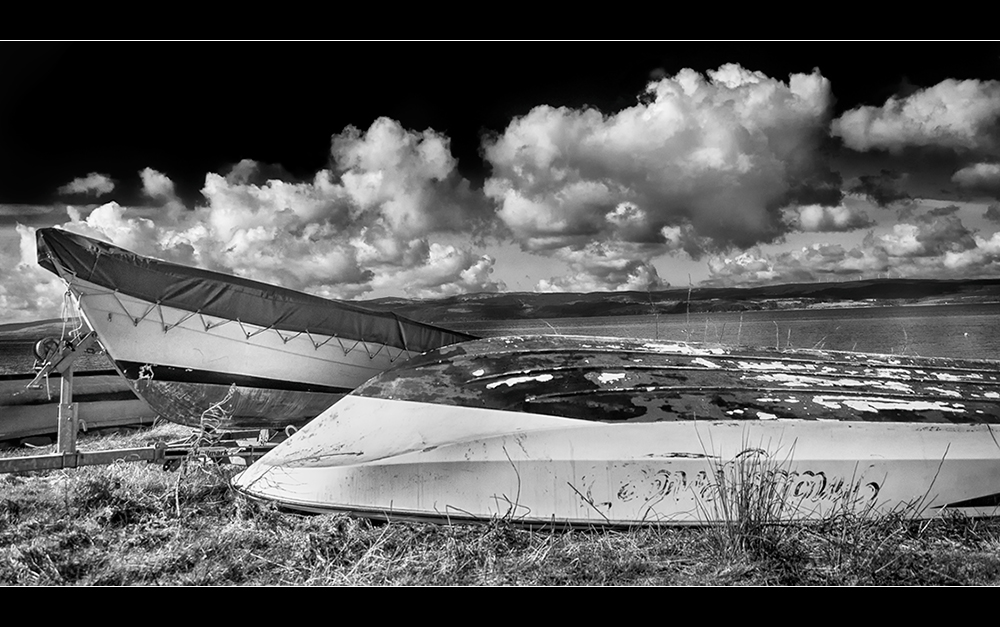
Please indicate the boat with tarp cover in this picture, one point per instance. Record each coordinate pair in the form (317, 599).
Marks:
(585, 431)
(209, 349)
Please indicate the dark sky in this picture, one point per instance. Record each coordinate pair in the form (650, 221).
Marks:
(744, 166)
(185, 109)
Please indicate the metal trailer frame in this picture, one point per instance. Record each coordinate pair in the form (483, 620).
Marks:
(230, 447)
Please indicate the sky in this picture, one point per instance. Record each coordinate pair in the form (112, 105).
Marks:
(359, 170)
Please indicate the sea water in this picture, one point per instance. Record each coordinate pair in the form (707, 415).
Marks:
(960, 331)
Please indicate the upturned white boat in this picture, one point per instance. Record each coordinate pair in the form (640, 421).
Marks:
(209, 349)
(569, 431)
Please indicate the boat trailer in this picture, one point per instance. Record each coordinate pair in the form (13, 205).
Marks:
(240, 448)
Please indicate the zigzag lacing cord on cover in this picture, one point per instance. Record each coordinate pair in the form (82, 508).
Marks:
(316, 340)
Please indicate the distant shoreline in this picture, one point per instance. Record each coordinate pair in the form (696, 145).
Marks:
(499, 306)
(32, 330)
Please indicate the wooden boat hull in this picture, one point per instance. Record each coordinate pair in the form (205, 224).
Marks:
(609, 432)
(220, 373)
(104, 400)
(211, 350)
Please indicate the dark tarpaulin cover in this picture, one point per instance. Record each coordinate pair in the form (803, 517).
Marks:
(223, 296)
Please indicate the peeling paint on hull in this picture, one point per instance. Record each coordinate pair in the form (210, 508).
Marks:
(618, 380)
(574, 443)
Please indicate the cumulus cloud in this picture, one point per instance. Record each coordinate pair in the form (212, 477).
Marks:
(113, 222)
(409, 179)
(25, 289)
(601, 267)
(93, 184)
(981, 260)
(748, 268)
(372, 220)
(934, 245)
(251, 172)
(817, 218)
(958, 115)
(931, 236)
(992, 213)
(700, 164)
(157, 185)
(983, 177)
(819, 262)
(883, 189)
(447, 271)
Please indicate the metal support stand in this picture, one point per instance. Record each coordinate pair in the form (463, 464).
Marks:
(66, 455)
(69, 417)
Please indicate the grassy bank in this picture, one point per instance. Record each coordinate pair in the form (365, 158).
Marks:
(138, 524)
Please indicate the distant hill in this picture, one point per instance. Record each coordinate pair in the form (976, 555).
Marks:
(530, 305)
(31, 330)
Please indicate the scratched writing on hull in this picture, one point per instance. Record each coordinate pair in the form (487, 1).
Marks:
(809, 485)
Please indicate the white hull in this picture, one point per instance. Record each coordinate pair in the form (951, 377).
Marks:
(200, 353)
(141, 332)
(399, 459)
(584, 431)
(214, 350)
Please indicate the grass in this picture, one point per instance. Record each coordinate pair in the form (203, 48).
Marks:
(137, 524)
(750, 498)
(848, 543)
